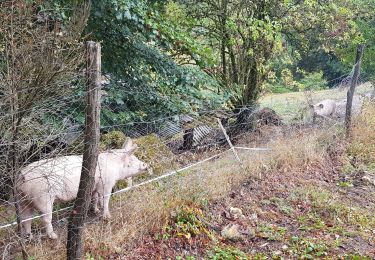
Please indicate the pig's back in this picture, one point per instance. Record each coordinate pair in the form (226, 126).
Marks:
(59, 177)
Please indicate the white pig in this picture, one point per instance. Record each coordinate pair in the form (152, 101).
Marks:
(336, 109)
(45, 181)
(325, 108)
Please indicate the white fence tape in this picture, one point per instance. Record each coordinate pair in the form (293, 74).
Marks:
(253, 149)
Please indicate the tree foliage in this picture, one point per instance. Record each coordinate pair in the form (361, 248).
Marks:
(181, 56)
(145, 81)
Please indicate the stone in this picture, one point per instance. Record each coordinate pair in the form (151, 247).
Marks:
(232, 232)
(284, 247)
(236, 213)
(369, 179)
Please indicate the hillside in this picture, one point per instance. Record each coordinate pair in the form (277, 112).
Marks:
(310, 196)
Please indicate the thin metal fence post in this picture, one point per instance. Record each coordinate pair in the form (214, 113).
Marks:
(228, 140)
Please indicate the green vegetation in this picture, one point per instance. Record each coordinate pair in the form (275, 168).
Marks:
(186, 222)
(228, 253)
(183, 56)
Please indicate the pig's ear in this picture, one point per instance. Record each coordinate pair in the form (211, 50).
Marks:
(321, 105)
(132, 149)
(128, 144)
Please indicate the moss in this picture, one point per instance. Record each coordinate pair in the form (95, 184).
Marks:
(112, 140)
(154, 152)
(151, 150)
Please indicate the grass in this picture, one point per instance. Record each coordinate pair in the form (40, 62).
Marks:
(362, 148)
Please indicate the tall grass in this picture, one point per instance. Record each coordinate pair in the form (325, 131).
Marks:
(362, 147)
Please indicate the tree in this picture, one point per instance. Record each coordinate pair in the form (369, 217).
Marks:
(39, 58)
(364, 22)
(250, 33)
(146, 83)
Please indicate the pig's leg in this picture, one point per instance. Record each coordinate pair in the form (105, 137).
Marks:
(130, 181)
(100, 201)
(45, 206)
(26, 212)
(106, 197)
(95, 198)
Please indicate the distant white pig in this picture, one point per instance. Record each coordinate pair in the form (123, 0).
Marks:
(336, 109)
(45, 181)
(325, 108)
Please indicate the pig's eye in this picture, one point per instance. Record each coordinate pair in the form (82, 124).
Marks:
(127, 165)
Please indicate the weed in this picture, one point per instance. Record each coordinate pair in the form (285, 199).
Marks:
(228, 253)
(310, 222)
(327, 208)
(88, 256)
(271, 232)
(356, 257)
(283, 205)
(362, 148)
(306, 249)
(345, 184)
(185, 222)
(348, 168)
(371, 167)
(259, 256)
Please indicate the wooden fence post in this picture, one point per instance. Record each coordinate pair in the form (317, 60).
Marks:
(350, 93)
(91, 151)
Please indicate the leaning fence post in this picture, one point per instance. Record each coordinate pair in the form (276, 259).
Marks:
(350, 93)
(91, 151)
(228, 140)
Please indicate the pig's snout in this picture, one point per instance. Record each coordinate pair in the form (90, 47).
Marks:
(314, 117)
(145, 166)
(149, 169)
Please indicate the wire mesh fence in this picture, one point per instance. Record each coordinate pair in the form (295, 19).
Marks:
(175, 145)
(163, 145)
(40, 133)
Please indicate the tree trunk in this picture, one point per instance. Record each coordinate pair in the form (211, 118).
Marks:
(234, 76)
(224, 40)
(251, 90)
(90, 155)
(223, 62)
